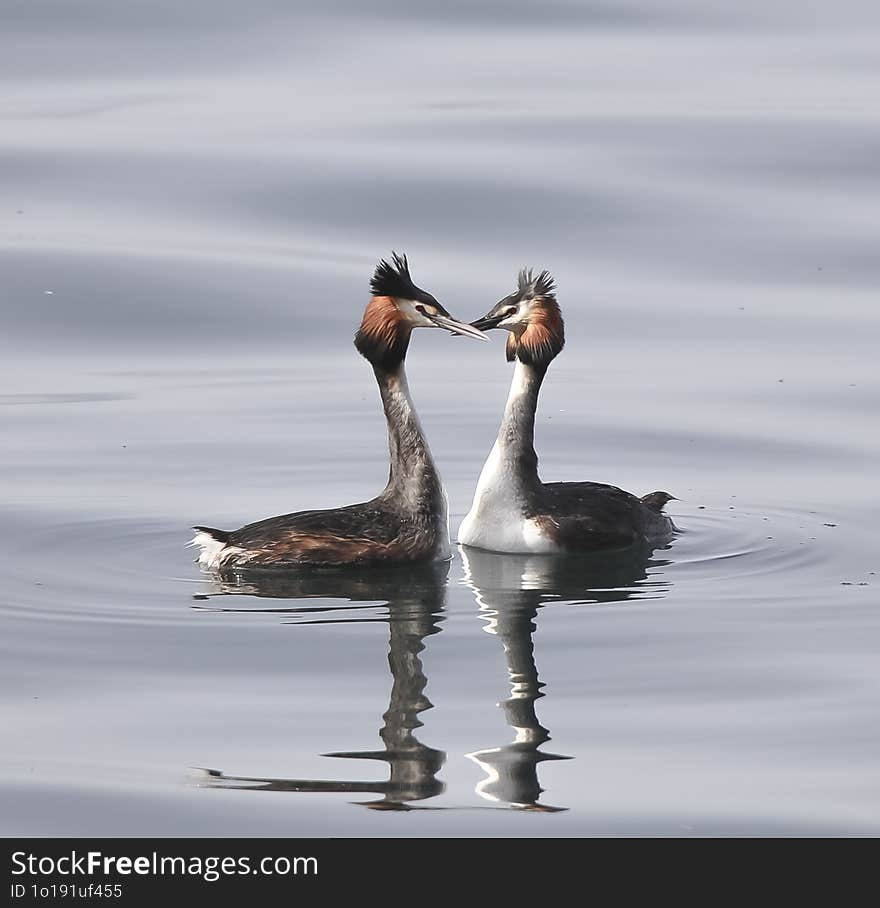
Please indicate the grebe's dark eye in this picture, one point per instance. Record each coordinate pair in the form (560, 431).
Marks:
(421, 309)
(511, 311)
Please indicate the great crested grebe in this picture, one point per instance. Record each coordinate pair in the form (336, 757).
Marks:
(513, 511)
(407, 522)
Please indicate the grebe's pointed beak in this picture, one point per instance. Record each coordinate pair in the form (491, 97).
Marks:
(457, 327)
(486, 322)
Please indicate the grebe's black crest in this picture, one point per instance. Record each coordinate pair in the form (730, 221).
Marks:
(530, 286)
(395, 280)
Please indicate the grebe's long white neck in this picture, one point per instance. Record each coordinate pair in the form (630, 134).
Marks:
(515, 444)
(413, 480)
(509, 479)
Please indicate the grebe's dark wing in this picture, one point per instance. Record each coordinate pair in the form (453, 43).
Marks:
(586, 516)
(369, 520)
(357, 534)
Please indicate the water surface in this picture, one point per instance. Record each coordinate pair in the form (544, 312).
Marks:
(193, 200)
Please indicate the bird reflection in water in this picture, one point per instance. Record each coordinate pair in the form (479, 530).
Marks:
(416, 597)
(509, 590)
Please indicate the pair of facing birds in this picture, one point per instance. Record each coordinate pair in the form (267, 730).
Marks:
(513, 511)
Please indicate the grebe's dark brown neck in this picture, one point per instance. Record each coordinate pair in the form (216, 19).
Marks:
(413, 480)
(412, 474)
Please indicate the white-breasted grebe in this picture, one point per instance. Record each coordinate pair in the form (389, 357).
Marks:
(513, 511)
(407, 522)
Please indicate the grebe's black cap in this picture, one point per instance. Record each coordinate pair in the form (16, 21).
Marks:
(395, 280)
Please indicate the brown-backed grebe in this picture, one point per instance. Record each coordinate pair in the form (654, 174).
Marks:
(407, 522)
(513, 511)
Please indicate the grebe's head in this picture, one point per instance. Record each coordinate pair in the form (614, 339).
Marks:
(397, 306)
(531, 315)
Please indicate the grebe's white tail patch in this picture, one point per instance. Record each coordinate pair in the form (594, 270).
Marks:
(213, 544)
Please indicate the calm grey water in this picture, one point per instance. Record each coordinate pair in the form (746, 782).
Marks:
(193, 198)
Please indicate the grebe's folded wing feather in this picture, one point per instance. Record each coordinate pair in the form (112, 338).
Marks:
(364, 533)
(370, 521)
(586, 516)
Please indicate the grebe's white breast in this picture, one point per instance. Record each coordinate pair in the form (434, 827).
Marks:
(496, 520)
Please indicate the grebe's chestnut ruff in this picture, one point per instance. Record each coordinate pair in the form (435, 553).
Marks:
(513, 511)
(407, 522)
